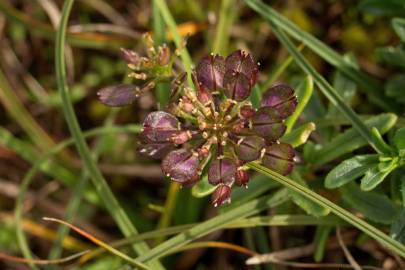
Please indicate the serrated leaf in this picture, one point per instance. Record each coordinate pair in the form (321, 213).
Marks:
(374, 206)
(307, 205)
(376, 175)
(202, 188)
(349, 170)
(351, 140)
(398, 227)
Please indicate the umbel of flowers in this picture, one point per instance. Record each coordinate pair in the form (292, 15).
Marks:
(214, 129)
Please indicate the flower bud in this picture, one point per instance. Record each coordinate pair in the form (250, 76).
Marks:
(181, 137)
(249, 148)
(242, 62)
(210, 72)
(159, 127)
(130, 56)
(181, 166)
(117, 95)
(155, 150)
(164, 55)
(268, 124)
(221, 195)
(280, 97)
(247, 111)
(236, 85)
(241, 178)
(222, 171)
(279, 158)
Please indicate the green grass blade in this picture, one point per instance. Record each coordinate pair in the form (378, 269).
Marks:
(372, 88)
(326, 88)
(362, 225)
(25, 183)
(213, 224)
(171, 23)
(227, 14)
(111, 203)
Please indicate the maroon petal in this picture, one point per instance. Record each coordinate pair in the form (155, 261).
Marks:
(159, 127)
(249, 148)
(236, 85)
(268, 124)
(279, 158)
(221, 195)
(210, 72)
(241, 178)
(181, 166)
(247, 111)
(130, 56)
(155, 150)
(282, 98)
(117, 95)
(243, 62)
(222, 171)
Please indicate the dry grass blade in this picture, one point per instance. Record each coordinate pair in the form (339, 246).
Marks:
(7, 257)
(99, 243)
(349, 256)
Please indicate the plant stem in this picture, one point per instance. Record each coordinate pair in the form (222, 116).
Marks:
(104, 191)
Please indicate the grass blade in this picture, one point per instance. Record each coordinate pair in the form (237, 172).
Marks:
(372, 88)
(362, 225)
(111, 203)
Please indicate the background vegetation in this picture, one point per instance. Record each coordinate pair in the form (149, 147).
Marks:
(65, 155)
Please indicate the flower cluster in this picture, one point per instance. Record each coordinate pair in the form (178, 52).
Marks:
(214, 129)
(155, 67)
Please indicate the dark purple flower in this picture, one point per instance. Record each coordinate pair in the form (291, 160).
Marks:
(281, 97)
(216, 126)
(221, 195)
(268, 124)
(250, 148)
(117, 95)
(210, 72)
(241, 178)
(279, 157)
(222, 171)
(236, 85)
(242, 62)
(181, 166)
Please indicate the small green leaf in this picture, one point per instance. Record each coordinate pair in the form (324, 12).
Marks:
(350, 169)
(321, 238)
(374, 206)
(376, 175)
(202, 188)
(399, 139)
(399, 27)
(378, 140)
(299, 135)
(307, 205)
(351, 140)
(394, 56)
(383, 7)
(398, 227)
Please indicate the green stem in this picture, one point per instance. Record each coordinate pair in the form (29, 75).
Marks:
(371, 87)
(251, 208)
(25, 183)
(326, 88)
(104, 191)
(171, 23)
(362, 225)
(226, 16)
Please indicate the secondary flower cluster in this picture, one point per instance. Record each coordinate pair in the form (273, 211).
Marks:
(155, 67)
(214, 129)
